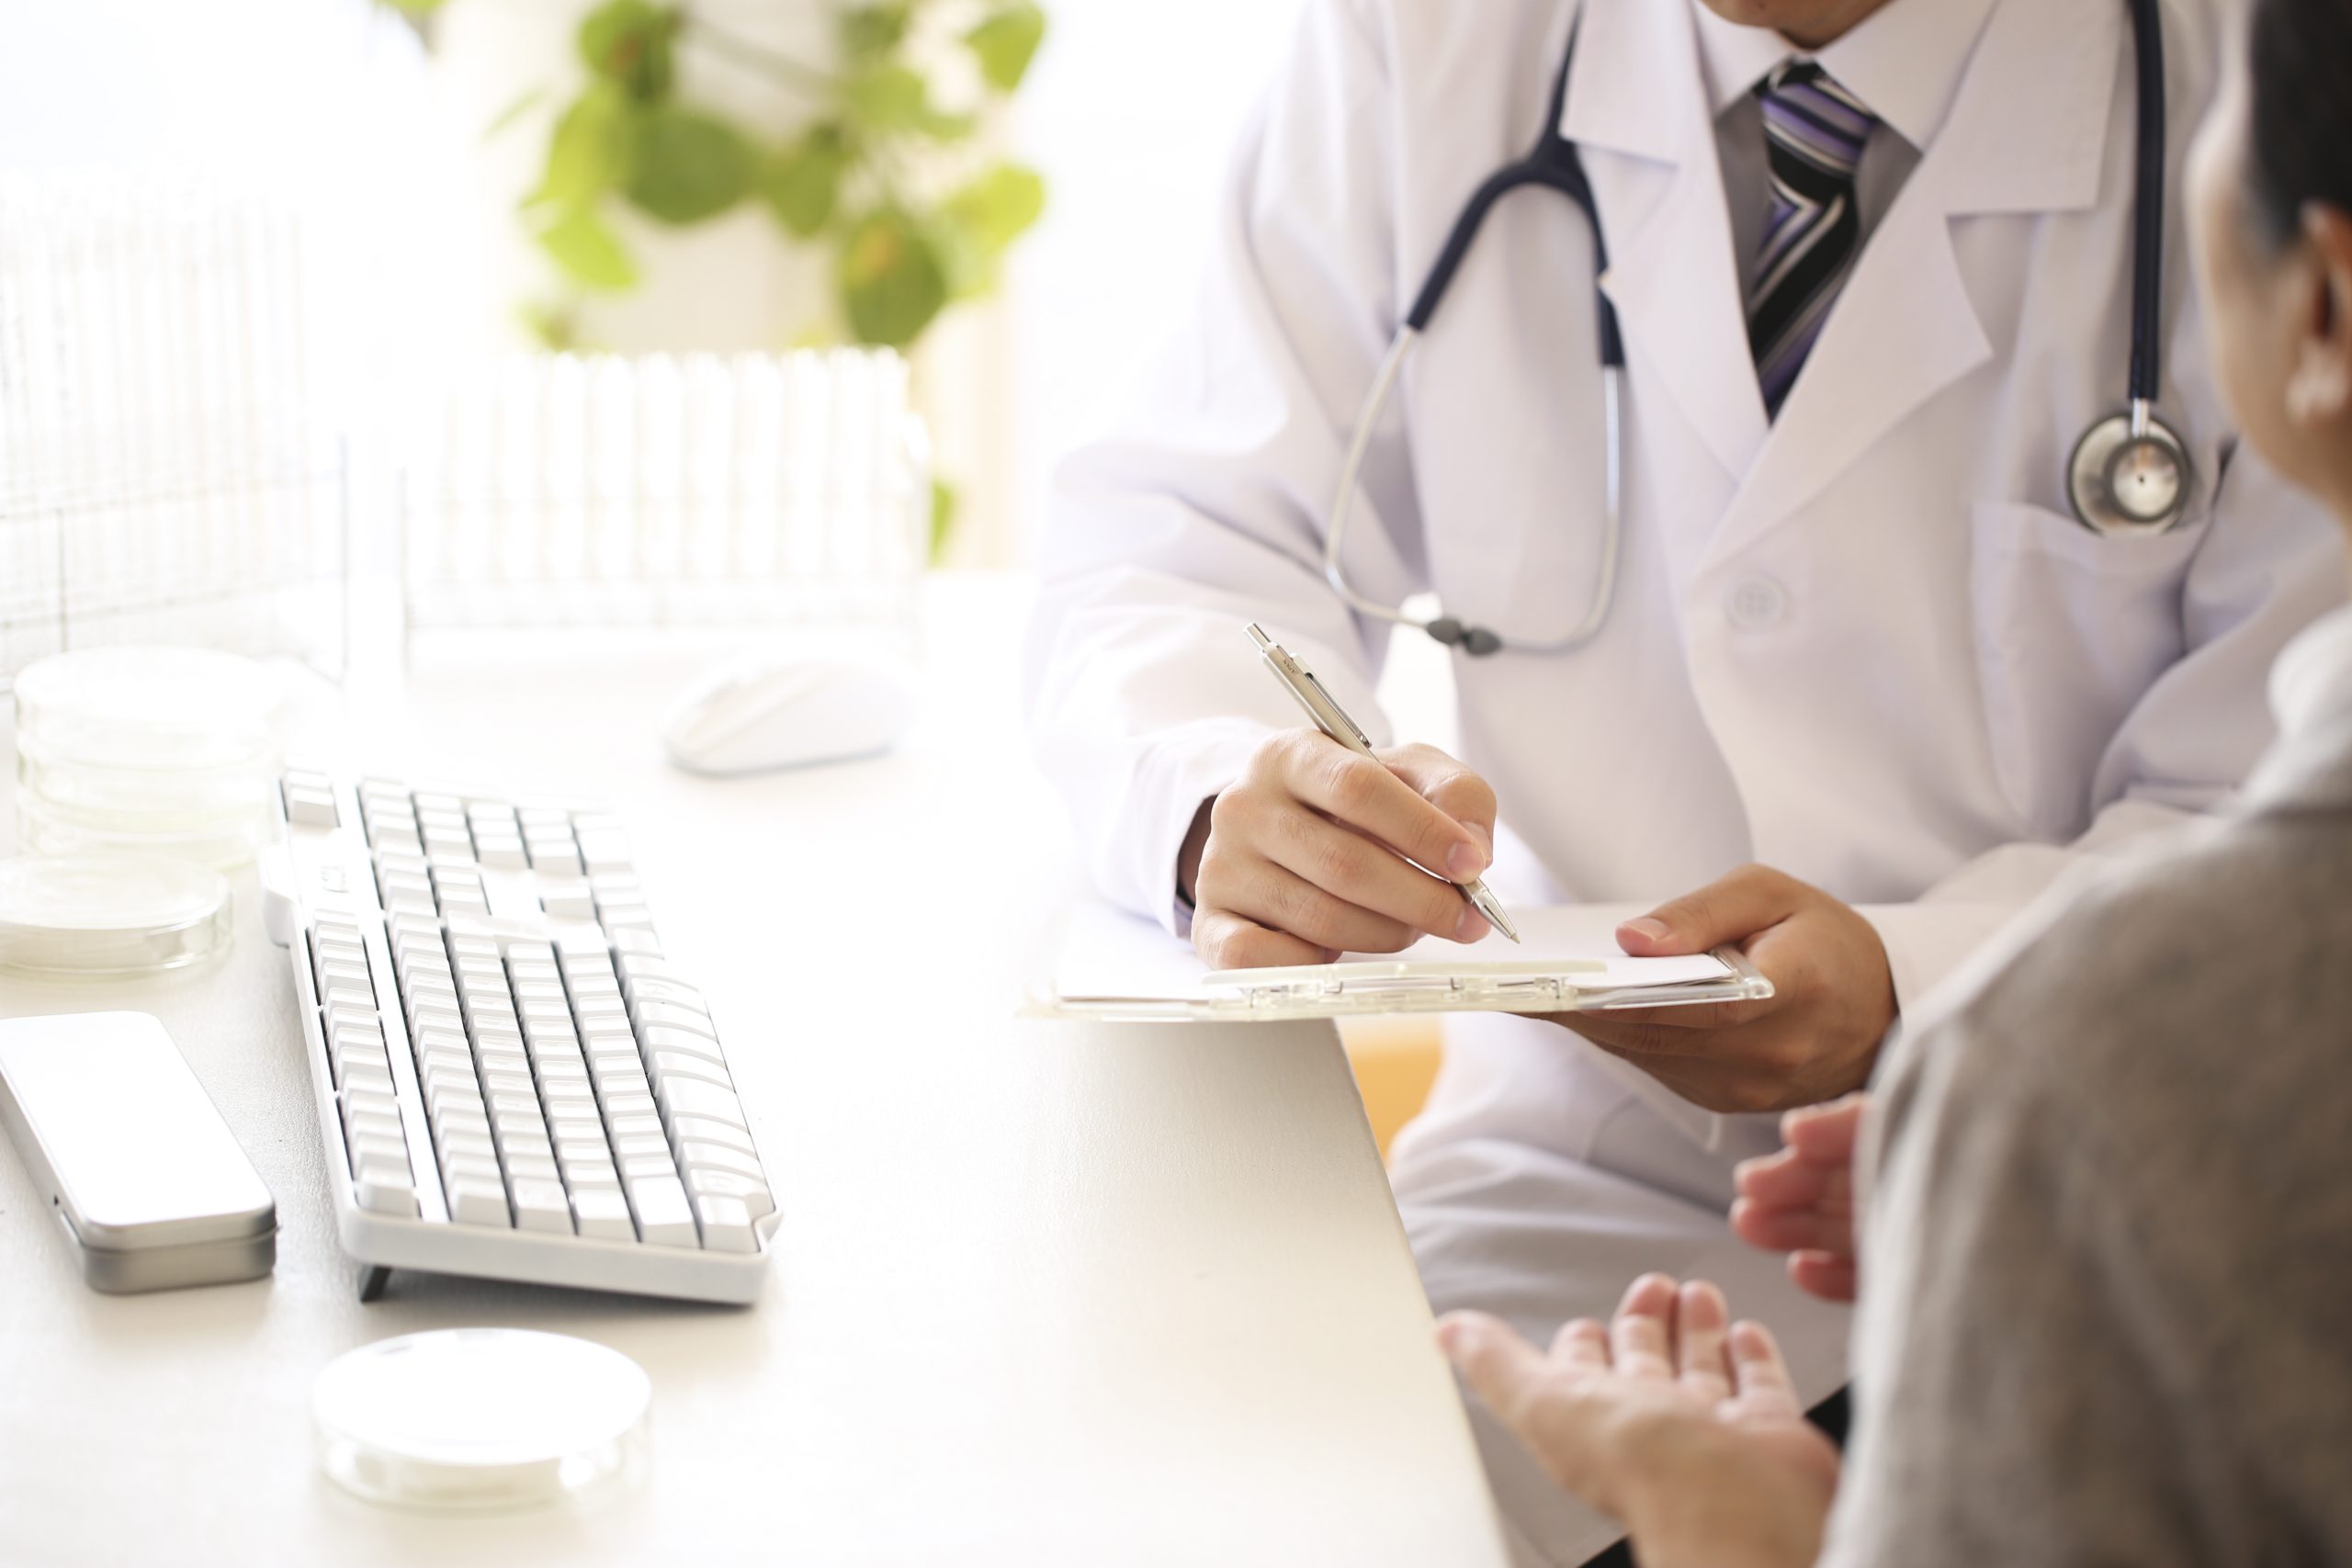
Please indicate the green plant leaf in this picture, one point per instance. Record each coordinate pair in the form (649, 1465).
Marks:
(997, 206)
(513, 112)
(415, 8)
(895, 99)
(979, 220)
(589, 253)
(1006, 41)
(629, 42)
(943, 519)
(892, 280)
(553, 326)
(803, 182)
(867, 32)
(588, 152)
(685, 165)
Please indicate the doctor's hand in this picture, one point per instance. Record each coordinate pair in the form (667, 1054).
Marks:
(1683, 1427)
(1801, 1200)
(1307, 856)
(1815, 1037)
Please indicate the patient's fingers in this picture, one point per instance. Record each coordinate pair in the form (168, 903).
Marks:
(1505, 1370)
(1757, 1366)
(1700, 1320)
(1641, 1338)
(1826, 1133)
(1831, 1276)
(1582, 1345)
(1792, 1230)
(1789, 1178)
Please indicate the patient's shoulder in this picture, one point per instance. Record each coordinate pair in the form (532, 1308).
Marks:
(2209, 982)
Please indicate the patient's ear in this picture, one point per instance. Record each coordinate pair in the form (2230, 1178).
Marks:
(2319, 389)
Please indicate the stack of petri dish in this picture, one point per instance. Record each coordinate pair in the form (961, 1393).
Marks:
(142, 774)
(153, 751)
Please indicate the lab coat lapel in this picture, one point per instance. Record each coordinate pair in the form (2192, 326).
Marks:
(1637, 112)
(2025, 133)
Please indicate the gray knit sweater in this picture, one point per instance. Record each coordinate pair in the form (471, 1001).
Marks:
(2107, 1311)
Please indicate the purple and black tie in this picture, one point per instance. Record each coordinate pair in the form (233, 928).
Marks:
(1814, 132)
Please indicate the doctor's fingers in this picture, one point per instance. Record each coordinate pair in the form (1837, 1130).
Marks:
(1229, 941)
(1281, 900)
(1344, 862)
(1729, 909)
(1446, 784)
(1365, 795)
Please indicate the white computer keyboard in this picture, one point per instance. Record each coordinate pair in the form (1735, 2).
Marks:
(512, 1079)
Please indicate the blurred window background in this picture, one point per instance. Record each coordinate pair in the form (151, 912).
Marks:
(409, 142)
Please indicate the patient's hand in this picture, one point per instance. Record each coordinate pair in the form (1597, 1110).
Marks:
(1801, 1200)
(1686, 1431)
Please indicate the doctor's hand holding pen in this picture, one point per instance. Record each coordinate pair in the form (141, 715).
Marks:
(1319, 850)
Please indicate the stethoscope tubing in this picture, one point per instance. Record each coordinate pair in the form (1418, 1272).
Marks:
(1556, 164)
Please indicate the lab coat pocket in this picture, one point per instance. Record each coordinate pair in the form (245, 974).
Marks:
(2071, 627)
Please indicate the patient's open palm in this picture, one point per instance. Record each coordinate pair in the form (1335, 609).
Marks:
(1682, 1427)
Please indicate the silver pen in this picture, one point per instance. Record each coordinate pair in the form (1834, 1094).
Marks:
(1333, 720)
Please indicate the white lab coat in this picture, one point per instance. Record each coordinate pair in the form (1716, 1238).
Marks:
(1866, 644)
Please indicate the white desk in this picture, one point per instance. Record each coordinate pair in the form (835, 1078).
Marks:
(1032, 1303)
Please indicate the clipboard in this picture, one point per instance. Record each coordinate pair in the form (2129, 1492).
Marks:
(1111, 965)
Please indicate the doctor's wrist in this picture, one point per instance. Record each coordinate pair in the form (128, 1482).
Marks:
(1187, 856)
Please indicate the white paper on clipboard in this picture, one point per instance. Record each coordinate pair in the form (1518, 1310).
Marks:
(1113, 964)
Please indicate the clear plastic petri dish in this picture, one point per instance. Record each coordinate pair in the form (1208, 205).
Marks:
(99, 915)
(476, 1419)
(149, 707)
(221, 842)
(169, 795)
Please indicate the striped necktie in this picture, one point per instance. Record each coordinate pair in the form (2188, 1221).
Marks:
(1814, 132)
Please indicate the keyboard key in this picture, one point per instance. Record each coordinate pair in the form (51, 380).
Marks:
(726, 1224)
(541, 1206)
(641, 943)
(474, 1202)
(754, 1194)
(379, 1192)
(665, 1066)
(686, 1042)
(695, 1154)
(652, 1013)
(708, 1129)
(603, 1213)
(664, 1218)
(367, 1077)
(692, 1097)
(652, 1163)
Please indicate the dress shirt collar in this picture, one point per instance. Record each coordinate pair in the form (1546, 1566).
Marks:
(1903, 61)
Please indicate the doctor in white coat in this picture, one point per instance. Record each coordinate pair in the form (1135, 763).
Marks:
(1868, 684)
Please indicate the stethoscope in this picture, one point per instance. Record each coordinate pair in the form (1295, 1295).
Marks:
(2128, 476)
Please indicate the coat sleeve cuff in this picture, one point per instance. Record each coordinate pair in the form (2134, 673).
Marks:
(1186, 766)
(1927, 943)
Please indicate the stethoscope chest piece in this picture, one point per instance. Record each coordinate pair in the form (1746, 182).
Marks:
(2130, 475)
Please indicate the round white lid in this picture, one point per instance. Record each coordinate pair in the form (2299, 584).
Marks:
(481, 1418)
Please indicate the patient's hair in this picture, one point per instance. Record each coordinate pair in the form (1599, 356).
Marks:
(2301, 61)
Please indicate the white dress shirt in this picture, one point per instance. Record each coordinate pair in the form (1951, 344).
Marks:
(1903, 61)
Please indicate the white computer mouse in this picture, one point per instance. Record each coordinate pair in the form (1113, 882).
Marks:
(775, 711)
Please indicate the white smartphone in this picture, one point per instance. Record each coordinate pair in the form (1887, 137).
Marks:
(139, 1170)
